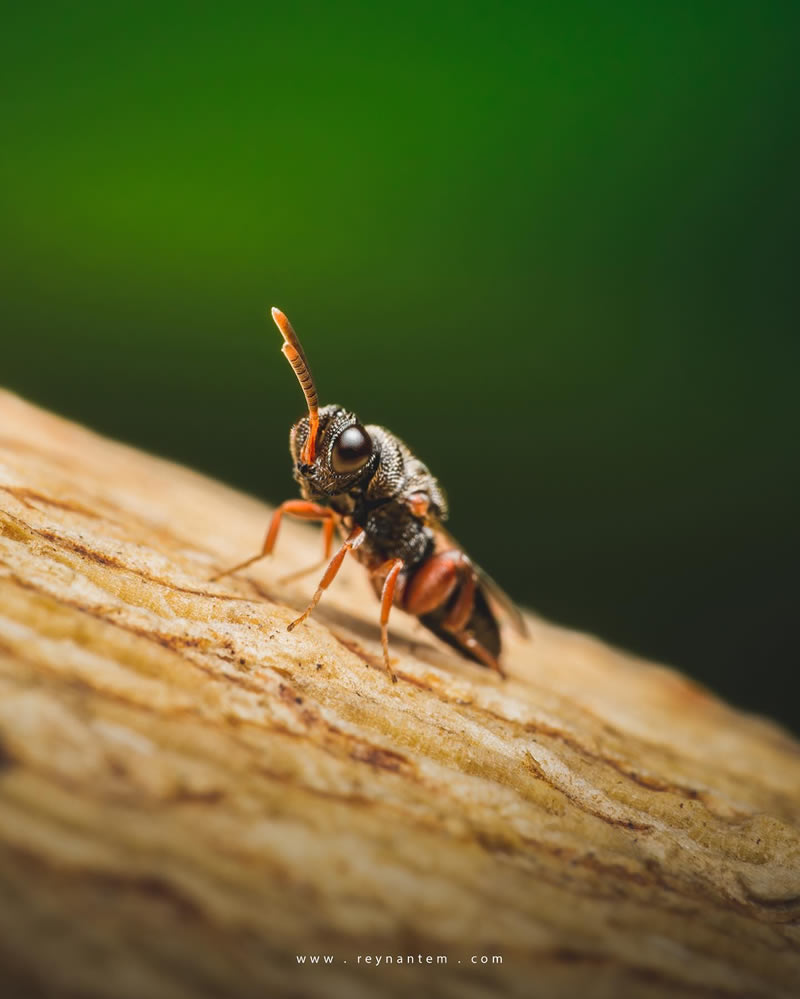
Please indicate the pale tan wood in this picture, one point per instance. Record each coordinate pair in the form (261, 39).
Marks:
(190, 796)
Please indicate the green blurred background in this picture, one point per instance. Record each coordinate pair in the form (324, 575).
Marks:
(554, 249)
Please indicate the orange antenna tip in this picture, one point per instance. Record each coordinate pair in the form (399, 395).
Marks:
(294, 355)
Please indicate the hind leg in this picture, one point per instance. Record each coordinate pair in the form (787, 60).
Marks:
(431, 587)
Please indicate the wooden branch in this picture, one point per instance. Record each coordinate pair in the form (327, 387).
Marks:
(191, 797)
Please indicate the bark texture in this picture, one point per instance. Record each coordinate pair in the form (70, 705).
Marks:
(190, 796)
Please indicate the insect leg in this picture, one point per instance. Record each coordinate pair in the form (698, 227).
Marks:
(460, 614)
(471, 642)
(297, 508)
(395, 566)
(328, 528)
(431, 587)
(354, 539)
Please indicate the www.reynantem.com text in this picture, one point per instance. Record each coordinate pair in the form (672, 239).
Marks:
(378, 959)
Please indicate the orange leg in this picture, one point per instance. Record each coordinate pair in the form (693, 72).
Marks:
(458, 617)
(297, 508)
(471, 642)
(354, 539)
(395, 567)
(328, 528)
(431, 587)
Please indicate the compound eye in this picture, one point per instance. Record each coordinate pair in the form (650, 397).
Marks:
(352, 450)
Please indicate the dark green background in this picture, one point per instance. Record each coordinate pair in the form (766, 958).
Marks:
(555, 251)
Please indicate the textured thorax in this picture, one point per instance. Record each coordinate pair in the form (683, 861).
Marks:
(400, 475)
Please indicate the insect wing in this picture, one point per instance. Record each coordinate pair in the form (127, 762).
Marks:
(503, 600)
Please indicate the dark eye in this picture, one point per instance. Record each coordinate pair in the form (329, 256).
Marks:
(352, 450)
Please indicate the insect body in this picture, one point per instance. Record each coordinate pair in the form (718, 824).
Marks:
(389, 509)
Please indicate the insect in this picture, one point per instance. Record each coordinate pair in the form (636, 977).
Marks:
(389, 510)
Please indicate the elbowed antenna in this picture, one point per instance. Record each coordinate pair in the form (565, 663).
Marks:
(294, 355)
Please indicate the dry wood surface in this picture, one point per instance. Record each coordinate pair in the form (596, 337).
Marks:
(191, 796)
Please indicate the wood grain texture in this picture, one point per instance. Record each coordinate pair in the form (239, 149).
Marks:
(190, 796)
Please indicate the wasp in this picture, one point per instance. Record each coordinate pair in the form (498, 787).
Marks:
(389, 510)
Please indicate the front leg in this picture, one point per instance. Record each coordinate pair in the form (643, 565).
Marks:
(302, 509)
(328, 527)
